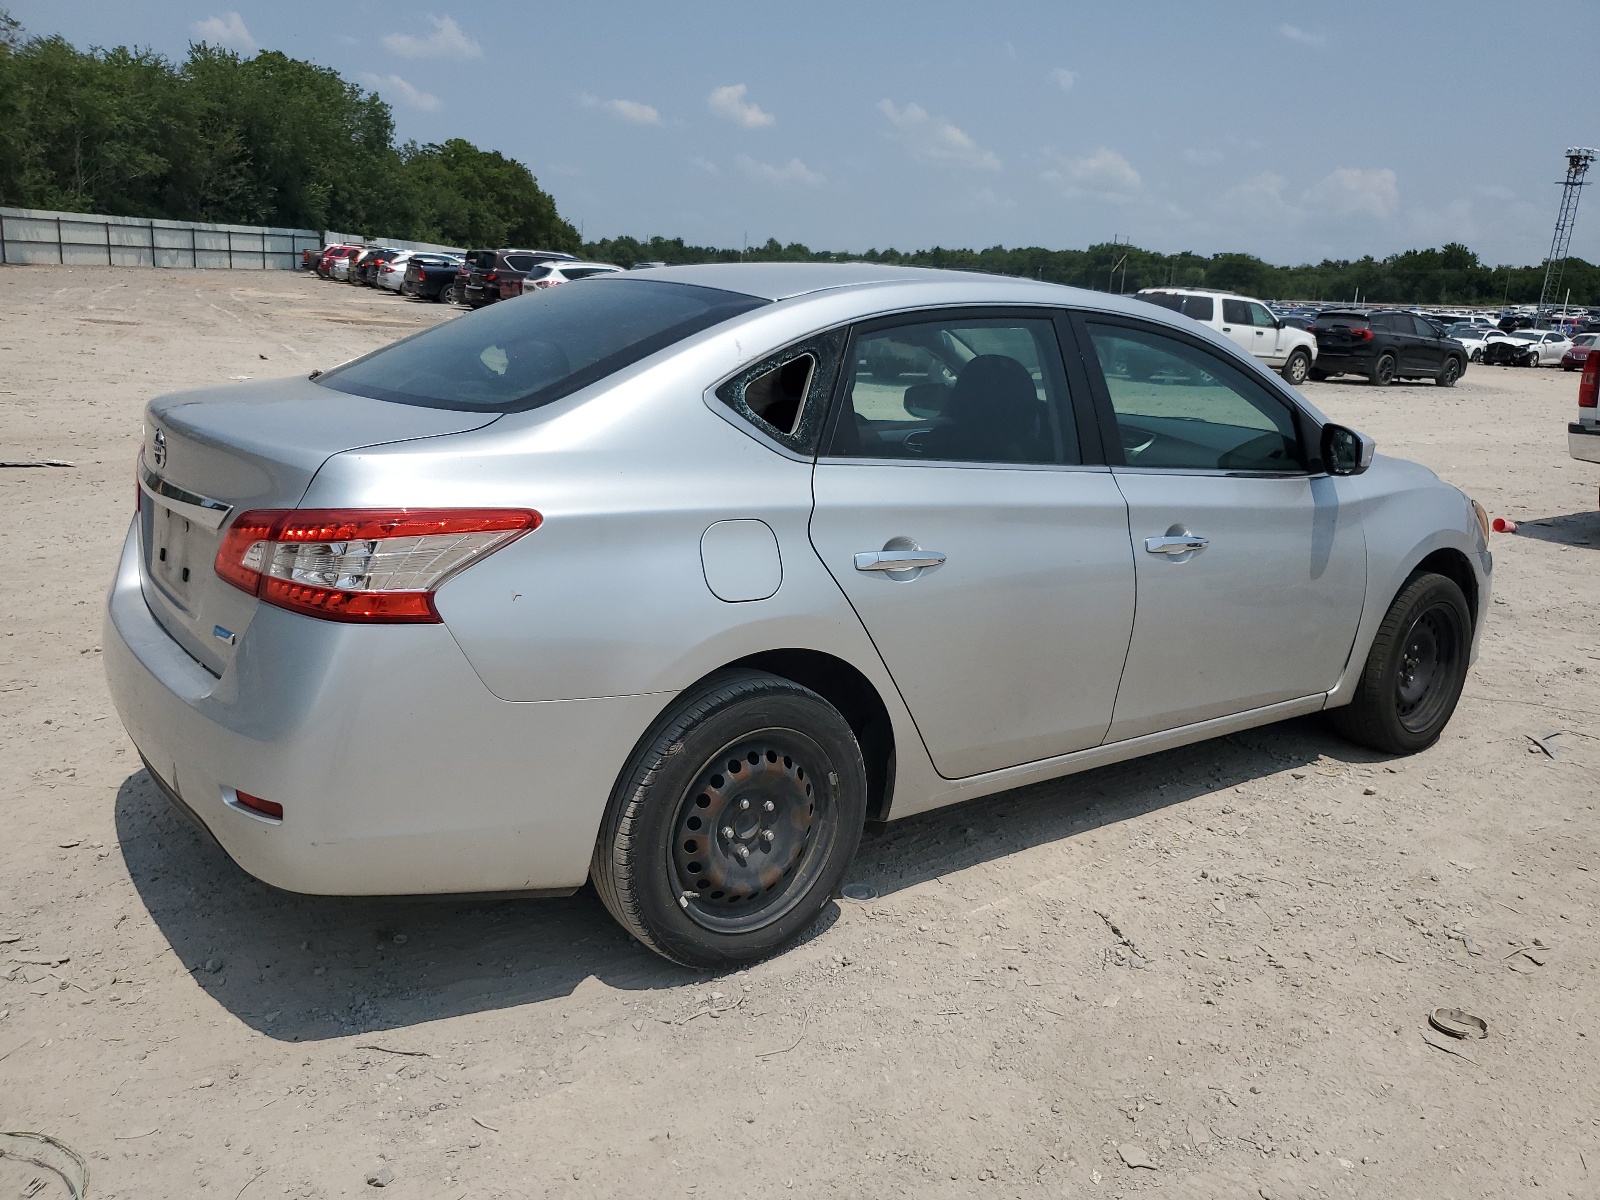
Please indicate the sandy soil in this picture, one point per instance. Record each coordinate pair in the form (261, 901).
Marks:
(1290, 908)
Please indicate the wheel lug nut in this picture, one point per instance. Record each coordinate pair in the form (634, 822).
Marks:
(766, 836)
(743, 852)
(768, 806)
(743, 805)
(727, 832)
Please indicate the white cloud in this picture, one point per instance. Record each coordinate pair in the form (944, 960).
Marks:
(1195, 156)
(631, 111)
(791, 174)
(1104, 175)
(446, 41)
(935, 141)
(1306, 38)
(392, 87)
(1064, 78)
(1356, 192)
(706, 165)
(729, 102)
(226, 30)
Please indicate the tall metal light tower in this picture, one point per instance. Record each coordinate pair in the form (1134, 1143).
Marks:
(1578, 160)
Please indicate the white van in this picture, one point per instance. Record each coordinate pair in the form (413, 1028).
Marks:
(1248, 322)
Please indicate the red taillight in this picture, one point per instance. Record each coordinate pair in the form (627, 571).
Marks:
(357, 564)
(267, 808)
(1361, 335)
(1589, 385)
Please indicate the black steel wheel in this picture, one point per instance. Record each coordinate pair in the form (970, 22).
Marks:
(1451, 372)
(734, 822)
(1383, 371)
(1414, 673)
(1297, 368)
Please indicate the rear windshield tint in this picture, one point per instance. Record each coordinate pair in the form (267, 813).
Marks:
(1341, 319)
(524, 353)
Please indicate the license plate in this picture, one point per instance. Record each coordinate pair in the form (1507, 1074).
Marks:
(169, 552)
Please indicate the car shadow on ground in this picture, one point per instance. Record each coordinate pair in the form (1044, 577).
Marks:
(1573, 529)
(306, 968)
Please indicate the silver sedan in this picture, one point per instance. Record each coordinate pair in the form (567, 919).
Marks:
(674, 579)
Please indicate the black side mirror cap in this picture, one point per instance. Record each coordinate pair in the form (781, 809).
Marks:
(1346, 452)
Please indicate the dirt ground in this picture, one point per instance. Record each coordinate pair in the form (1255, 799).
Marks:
(1290, 908)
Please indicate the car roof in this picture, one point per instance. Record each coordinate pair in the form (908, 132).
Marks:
(780, 281)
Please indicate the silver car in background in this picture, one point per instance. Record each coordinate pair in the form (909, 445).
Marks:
(674, 579)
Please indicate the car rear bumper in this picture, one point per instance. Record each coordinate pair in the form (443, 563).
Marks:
(1583, 441)
(1338, 361)
(398, 771)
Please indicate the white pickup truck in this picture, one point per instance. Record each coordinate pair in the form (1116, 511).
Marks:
(1250, 324)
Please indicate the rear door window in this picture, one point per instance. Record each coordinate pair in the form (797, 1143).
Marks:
(1200, 308)
(1236, 312)
(957, 390)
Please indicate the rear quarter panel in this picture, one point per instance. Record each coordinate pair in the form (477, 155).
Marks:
(609, 596)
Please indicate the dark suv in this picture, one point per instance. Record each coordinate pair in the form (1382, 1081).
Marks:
(1385, 345)
(486, 269)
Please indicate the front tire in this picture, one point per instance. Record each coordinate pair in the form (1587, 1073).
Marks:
(1477, 356)
(1297, 368)
(1383, 371)
(1414, 672)
(1451, 372)
(733, 823)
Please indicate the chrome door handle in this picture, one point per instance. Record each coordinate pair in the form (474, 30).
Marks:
(1176, 545)
(897, 560)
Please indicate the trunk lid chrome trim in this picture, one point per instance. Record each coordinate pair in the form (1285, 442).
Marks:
(202, 510)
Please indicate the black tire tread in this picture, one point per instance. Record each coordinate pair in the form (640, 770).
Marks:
(1361, 720)
(611, 869)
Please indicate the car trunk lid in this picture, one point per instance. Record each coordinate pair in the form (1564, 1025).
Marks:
(211, 454)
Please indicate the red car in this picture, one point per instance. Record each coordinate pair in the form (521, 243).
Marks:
(329, 253)
(1573, 359)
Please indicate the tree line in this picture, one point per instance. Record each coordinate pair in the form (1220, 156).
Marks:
(1448, 276)
(272, 140)
(261, 140)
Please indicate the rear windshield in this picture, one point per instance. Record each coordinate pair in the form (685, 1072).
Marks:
(520, 262)
(524, 353)
(1338, 318)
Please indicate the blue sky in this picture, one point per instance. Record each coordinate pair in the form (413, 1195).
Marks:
(1291, 131)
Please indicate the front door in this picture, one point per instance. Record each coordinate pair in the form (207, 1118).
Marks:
(1251, 572)
(1425, 353)
(987, 561)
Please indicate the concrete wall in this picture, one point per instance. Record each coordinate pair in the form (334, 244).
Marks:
(355, 239)
(35, 236)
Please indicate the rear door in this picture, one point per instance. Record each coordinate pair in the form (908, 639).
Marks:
(1238, 325)
(963, 508)
(1251, 572)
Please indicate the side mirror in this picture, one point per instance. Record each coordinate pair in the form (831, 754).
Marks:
(1346, 452)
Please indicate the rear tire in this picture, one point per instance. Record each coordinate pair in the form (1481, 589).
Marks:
(1451, 372)
(1297, 368)
(733, 823)
(1414, 672)
(1318, 375)
(1383, 371)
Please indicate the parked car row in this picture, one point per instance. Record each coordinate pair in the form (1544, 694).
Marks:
(473, 279)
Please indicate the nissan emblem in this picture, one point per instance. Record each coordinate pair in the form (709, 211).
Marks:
(159, 450)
